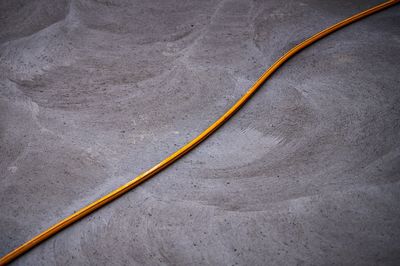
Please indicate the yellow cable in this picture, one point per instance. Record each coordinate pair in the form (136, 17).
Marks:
(189, 146)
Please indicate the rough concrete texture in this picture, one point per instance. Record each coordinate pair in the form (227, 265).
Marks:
(94, 92)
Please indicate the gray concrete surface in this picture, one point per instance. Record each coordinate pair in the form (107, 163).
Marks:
(94, 92)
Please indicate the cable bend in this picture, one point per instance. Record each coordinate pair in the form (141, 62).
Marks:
(190, 145)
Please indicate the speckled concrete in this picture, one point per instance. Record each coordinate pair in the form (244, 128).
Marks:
(94, 92)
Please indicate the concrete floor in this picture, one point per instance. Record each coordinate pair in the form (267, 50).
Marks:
(94, 92)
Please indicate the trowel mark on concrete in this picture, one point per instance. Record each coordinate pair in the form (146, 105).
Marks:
(238, 148)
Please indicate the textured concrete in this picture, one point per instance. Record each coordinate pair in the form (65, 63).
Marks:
(94, 92)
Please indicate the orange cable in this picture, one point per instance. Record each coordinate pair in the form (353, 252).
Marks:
(190, 145)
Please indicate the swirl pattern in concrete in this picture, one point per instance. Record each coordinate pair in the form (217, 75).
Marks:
(94, 92)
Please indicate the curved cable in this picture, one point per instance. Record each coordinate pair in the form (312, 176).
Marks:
(190, 145)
